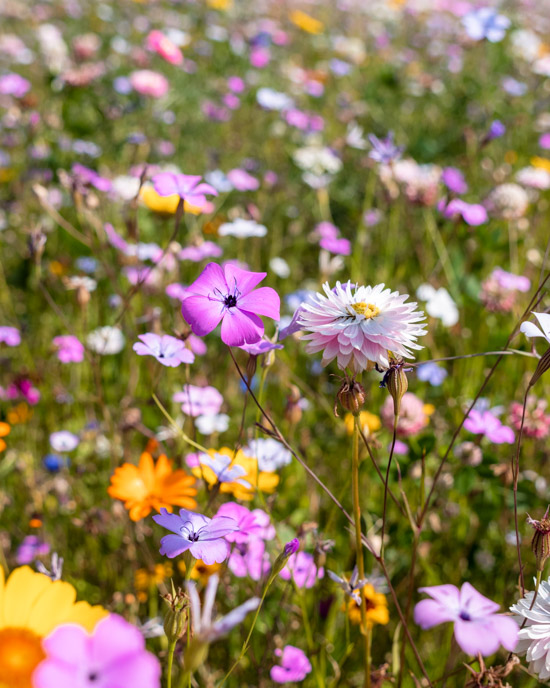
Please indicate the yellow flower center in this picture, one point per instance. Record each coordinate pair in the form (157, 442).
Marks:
(20, 653)
(368, 310)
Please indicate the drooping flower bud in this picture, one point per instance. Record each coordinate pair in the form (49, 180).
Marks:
(540, 544)
(351, 396)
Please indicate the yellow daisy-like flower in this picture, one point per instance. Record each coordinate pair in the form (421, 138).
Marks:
(144, 579)
(31, 606)
(306, 22)
(377, 607)
(541, 163)
(262, 480)
(164, 205)
(200, 570)
(369, 422)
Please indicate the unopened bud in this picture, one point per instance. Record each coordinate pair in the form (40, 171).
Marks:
(251, 366)
(175, 620)
(290, 548)
(397, 383)
(351, 396)
(540, 544)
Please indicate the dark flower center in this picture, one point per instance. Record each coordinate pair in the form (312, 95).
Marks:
(465, 616)
(230, 301)
(193, 537)
(92, 676)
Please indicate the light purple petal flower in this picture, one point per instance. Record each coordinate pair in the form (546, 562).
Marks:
(10, 335)
(295, 666)
(169, 351)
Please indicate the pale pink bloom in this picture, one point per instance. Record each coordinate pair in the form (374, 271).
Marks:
(249, 559)
(243, 181)
(412, 416)
(295, 666)
(536, 422)
(149, 83)
(199, 401)
(162, 45)
(69, 348)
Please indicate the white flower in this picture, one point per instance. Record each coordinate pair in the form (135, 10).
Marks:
(534, 638)
(529, 329)
(280, 267)
(203, 627)
(242, 229)
(317, 159)
(270, 454)
(439, 304)
(535, 177)
(355, 138)
(80, 282)
(106, 340)
(219, 181)
(126, 187)
(270, 99)
(64, 441)
(362, 325)
(225, 473)
(209, 424)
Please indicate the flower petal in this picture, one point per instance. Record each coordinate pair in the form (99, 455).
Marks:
(263, 301)
(241, 327)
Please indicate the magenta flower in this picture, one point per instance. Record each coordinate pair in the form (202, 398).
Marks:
(485, 423)
(208, 249)
(203, 537)
(10, 335)
(252, 524)
(340, 247)
(477, 627)
(301, 568)
(295, 666)
(113, 656)
(169, 351)
(69, 348)
(227, 295)
(473, 214)
(186, 186)
(454, 180)
(243, 181)
(249, 560)
(163, 46)
(199, 401)
(14, 85)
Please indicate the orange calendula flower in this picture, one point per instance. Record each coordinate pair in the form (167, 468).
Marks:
(150, 486)
(31, 606)
(249, 479)
(377, 607)
(5, 429)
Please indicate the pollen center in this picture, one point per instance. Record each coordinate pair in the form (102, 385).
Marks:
(20, 653)
(368, 310)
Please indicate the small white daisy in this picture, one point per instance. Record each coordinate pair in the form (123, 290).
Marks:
(358, 325)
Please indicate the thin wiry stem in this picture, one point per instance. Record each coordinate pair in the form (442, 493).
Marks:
(515, 473)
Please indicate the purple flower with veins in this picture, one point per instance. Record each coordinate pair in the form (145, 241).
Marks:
(254, 524)
(169, 351)
(486, 423)
(69, 348)
(295, 666)
(203, 537)
(186, 186)
(10, 335)
(228, 295)
(477, 629)
(384, 150)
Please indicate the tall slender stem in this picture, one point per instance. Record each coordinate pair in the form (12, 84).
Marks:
(171, 649)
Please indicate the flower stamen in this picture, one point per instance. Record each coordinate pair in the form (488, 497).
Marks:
(367, 310)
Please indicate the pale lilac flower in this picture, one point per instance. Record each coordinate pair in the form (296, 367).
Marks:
(211, 423)
(486, 423)
(498, 291)
(113, 655)
(14, 85)
(340, 247)
(477, 629)
(203, 626)
(64, 441)
(496, 130)
(10, 335)
(169, 351)
(264, 346)
(350, 586)
(69, 348)
(186, 186)
(249, 559)
(295, 666)
(454, 180)
(326, 230)
(56, 567)
(485, 23)
(301, 568)
(252, 524)
(270, 454)
(31, 547)
(270, 99)
(243, 181)
(207, 249)
(384, 150)
(531, 330)
(220, 464)
(432, 373)
(199, 401)
(227, 295)
(360, 325)
(203, 537)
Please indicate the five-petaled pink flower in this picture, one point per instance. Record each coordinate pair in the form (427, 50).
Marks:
(227, 295)
(69, 348)
(186, 186)
(486, 423)
(477, 627)
(295, 666)
(168, 350)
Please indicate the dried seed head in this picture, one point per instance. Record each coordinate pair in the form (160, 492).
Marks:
(540, 544)
(351, 396)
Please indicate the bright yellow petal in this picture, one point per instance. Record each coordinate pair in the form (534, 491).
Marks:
(85, 615)
(52, 608)
(23, 588)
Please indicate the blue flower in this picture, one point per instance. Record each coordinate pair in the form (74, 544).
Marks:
(485, 23)
(432, 373)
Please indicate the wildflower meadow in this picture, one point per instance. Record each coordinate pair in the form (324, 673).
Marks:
(274, 342)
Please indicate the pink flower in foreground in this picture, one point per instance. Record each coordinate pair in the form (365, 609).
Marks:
(485, 423)
(295, 666)
(169, 351)
(228, 295)
(149, 83)
(69, 348)
(113, 656)
(186, 186)
(164, 47)
(477, 627)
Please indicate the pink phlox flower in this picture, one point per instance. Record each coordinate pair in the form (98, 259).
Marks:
(295, 666)
(163, 46)
(473, 214)
(14, 85)
(301, 568)
(199, 401)
(203, 537)
(252, 524)
(208, 249)
(477, 628)
(249, 559)
(243, 181)
(10, 335)
(113, 655)
(340, 247)
(186, 186)
(486, 423)
(228, 295)
(69, 348)
(169, 351)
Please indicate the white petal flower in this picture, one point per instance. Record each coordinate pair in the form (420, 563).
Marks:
(361, 324)
(211, 423)
(529, 329)
(534, 637)
(271, 455)
(242, 229)
(225, 472)
(106, 340)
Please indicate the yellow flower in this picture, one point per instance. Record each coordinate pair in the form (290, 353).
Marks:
(164, 205)
(377, 607)
(31, 606)
(264, 481)
(306, 22)
(200, 570)
(220, 4)
(369, 422)
(541, 163)
(150, 486)
(145, 579)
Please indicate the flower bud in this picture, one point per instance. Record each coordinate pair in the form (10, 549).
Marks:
(175, 620)
(397, 383)
(540, 544)
(290, 548)
(351, 396)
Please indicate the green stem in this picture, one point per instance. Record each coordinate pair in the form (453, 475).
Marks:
(171, 649)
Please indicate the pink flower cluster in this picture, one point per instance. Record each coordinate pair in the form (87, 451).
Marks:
(412, 417)
(536, 423)
(499, 290)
